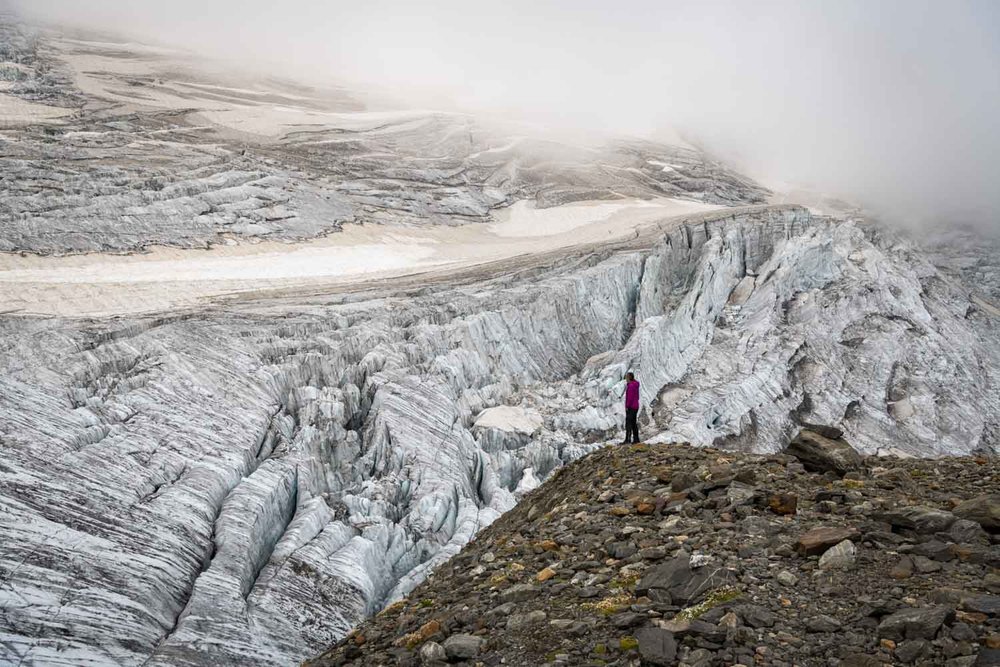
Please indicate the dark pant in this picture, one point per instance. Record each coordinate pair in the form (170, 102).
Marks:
(631, 425)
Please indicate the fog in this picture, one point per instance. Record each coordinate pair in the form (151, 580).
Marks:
(890, 104)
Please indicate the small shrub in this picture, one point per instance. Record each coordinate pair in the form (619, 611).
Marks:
(714, 599)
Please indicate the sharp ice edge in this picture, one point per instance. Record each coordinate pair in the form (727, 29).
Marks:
(227, 488)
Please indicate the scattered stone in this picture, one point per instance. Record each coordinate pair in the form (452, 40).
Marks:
(716, 568)
(968, 532)
(925, 565)
(988, 657)
(756, 616)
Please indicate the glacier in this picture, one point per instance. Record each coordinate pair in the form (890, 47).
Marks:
(241, 486)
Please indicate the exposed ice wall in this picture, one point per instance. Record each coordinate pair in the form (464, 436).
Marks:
(241, 487)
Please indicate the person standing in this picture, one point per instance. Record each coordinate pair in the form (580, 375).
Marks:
(631, 409)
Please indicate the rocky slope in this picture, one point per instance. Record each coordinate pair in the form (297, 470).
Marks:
(671, 555)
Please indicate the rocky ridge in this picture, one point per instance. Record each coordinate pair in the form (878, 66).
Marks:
(672, 555)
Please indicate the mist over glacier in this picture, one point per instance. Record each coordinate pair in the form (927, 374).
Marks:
(891, 105)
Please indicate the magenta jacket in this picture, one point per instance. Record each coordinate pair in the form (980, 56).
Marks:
(632, 395)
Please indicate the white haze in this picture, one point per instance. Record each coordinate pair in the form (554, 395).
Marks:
(892, 104)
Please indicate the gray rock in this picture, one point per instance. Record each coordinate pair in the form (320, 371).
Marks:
(988, 657)
(925, 565)
(841, 556)
(861, 660)
(786, 578)
(657, 647)
(909, 651)
(680, 581)
(756, 616)
(963, 661)
(621, 549)
(920, 519)
(526, 620)
(519, 593)
(964, 531)
(432, 652)
(984, 604)
(462, 646)
(822, 623)
(935, 549)
(683, 481)
(916, 623)
(984, 510)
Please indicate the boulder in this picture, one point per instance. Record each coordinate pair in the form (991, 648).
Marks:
(657, 647)
(822, 623)
(982, 604)
(680, 581)
(519, 593)
(988, 657)
(432, 652)
(462, 646)
(984, 510)
(522, 621)
(964, 531)
(683, 481)
(821, 454)
(917, 623)
(841, 556)
(920, 519)
(909, 651)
